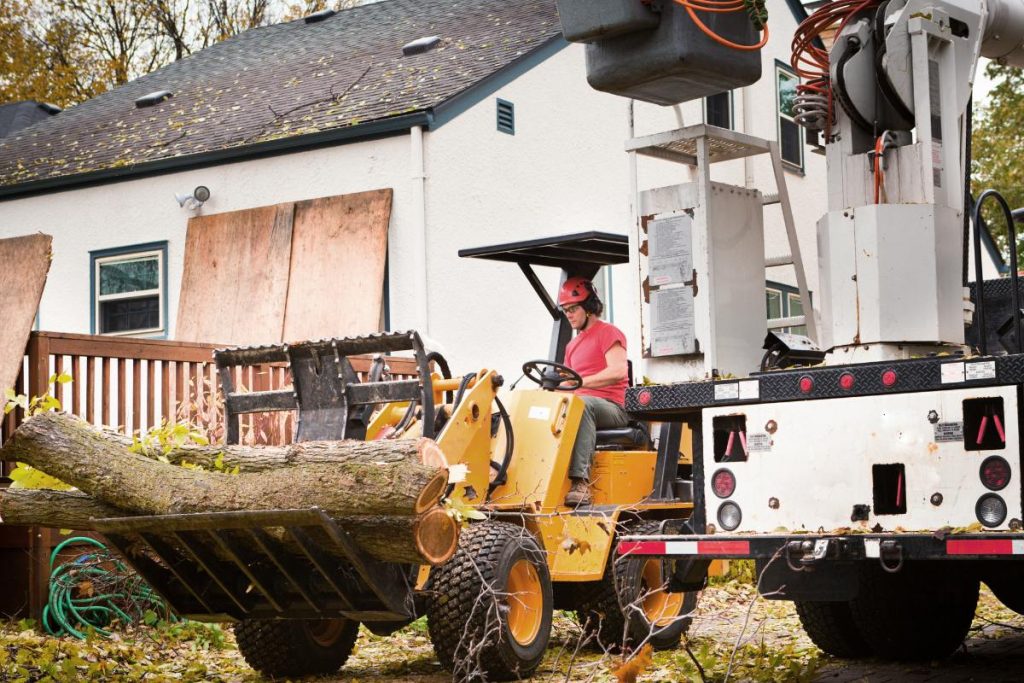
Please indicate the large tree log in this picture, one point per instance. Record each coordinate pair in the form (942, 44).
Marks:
(371, 481)
(431, 536)
(263, 458)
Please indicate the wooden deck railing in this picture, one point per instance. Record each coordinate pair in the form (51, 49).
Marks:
(134, 384)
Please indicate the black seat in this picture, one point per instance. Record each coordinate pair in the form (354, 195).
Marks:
(634, 436)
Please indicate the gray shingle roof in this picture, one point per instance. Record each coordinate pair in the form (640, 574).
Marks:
(284, 81)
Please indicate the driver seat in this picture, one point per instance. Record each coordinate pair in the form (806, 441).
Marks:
(635, 436)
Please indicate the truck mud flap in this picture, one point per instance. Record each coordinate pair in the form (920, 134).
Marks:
(261, 564)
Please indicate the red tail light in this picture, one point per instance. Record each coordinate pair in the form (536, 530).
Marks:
(846, 381)
(723, 483)
(995, 473)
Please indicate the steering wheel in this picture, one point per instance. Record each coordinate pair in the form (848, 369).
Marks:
(552, 376)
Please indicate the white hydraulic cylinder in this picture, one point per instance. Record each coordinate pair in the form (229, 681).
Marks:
(1003, 38)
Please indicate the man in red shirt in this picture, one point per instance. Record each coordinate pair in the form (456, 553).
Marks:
(598, 354)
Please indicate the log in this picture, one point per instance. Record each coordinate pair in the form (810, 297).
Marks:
(431, 536)
(264, 458)
(376, 478)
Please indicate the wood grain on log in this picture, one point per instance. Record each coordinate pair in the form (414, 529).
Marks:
(367, 477)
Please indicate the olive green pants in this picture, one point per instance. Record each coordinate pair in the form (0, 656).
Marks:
(598, 413)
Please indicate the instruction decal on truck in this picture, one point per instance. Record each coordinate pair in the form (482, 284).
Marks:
(949, 431)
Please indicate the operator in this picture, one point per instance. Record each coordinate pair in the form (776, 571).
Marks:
(598, 354)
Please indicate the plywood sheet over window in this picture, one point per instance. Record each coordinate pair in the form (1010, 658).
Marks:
(306, 270)
(337, 267)
(24, 263)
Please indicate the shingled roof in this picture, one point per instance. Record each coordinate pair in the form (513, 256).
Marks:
(283, 86)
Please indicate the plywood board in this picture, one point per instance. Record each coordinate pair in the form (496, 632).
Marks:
(339, 246)
(24, 263)
(235, 280)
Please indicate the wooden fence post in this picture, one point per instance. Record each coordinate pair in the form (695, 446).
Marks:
(40, 538)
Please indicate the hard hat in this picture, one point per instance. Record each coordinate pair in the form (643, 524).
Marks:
(575, 290)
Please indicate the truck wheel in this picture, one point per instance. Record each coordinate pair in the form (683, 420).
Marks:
(921, 612)
(1008, 589)
(489, 607)
(296, 647)
(830, 625)
(629, 605)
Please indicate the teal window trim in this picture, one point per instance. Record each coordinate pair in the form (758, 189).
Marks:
(104, 254)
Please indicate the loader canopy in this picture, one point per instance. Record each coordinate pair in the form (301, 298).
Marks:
(582, 254)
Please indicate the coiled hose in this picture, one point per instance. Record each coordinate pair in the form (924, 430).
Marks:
(94, 590)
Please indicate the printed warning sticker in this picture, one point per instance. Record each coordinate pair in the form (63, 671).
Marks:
(949, 431)
(729, 391)
(759, 442)
(985, 369)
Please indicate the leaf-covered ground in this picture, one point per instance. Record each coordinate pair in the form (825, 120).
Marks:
(750, 639)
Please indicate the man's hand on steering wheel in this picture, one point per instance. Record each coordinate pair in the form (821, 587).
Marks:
(552, 376)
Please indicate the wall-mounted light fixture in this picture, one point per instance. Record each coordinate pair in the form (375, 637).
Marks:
(194, 200)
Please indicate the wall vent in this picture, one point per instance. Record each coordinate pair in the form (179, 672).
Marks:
(506, 117)
(153, 98)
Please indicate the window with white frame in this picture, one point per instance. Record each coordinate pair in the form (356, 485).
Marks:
(603, 284)
(791, 144)
(129, 290)
(718, 110)
(783, 301)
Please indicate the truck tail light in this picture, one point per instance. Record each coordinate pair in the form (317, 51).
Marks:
(995, 473)
(729, 515)
(990, 510)
(723, 483)
(846, 381)
(806, 384)
(889, 378)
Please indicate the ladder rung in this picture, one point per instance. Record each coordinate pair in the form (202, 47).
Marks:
(773, 261)
(767, 199)
(792, 321)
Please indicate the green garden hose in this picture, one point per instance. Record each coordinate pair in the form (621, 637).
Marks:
(96, 590)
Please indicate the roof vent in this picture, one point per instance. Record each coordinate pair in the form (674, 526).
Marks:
(420, 45)
(319, 16)
(153, 98)
(50, 109)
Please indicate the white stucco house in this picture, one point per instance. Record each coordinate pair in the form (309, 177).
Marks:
(491, 134)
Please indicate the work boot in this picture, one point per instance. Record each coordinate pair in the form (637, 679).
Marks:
(579, 493)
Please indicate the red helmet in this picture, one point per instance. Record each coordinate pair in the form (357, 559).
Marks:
(575, 290)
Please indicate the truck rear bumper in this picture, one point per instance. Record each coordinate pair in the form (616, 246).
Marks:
(801, 550)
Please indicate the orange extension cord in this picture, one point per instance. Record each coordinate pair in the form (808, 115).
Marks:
(693, 6)
(809, 61)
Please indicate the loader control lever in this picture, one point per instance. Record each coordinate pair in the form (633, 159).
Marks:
(552, 376)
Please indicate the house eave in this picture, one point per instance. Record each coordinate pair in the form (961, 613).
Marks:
(365, 131)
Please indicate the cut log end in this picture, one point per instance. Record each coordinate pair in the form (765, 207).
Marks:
(437, 536)
(432, 492)
(431, 454)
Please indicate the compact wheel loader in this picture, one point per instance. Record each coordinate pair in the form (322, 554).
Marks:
(297, 606)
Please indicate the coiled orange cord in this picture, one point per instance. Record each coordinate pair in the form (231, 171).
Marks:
(721, 6)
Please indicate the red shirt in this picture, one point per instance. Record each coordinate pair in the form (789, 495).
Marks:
(586, 355)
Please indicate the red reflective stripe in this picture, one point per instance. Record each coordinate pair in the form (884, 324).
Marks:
(723, 547)
(642, 547)
(987, 546)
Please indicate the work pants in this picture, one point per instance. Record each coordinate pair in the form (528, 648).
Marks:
(598, 413)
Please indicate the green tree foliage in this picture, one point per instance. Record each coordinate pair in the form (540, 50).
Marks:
(998, 147)
(67, 51)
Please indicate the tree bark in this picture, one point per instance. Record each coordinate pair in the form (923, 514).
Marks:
(263, 458)
(431, 536)
(366, 478)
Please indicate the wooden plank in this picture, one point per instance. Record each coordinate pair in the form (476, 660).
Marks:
(24, 263)
(118, 347)
(105, 394)
(136, 416)
(235, 280)
(76, 380)
(122, 395)
(150, 392)
(165, 390)
(339, 245)
(90, 389)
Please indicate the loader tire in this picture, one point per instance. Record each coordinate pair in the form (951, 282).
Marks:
(296, 647)
(831, 627)
(489, 607)
(628, 606)
(922, 612)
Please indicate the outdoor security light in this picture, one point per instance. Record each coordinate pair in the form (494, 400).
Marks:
(195, 200)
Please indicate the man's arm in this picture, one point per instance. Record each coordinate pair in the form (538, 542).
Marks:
(617, 369)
